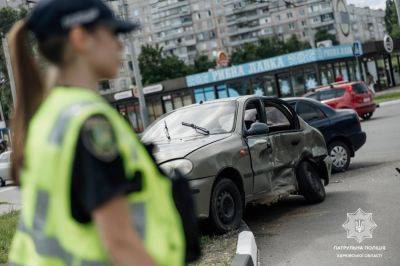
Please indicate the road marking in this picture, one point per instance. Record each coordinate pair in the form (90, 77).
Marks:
(8, 189)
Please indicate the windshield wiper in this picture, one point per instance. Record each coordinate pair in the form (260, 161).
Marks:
(201, 129)
(167, 130)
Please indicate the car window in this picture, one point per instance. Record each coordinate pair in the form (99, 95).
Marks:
(308, 112)
(359, 88)
(278, 117)
(252, 114)
(327, 94)
(340, 92)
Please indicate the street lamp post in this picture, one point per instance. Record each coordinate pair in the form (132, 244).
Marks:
(2, 82)
(9, 68)
(397, 2)
(136, 70)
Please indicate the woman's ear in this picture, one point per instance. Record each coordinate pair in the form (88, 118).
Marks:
(79, 39)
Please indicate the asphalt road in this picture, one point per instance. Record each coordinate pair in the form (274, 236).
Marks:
(294, 233)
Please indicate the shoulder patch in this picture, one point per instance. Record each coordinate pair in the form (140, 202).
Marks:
(99, 139)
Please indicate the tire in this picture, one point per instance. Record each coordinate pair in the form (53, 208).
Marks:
(2, 182)
(340, 156)
(226, 210)
(367, 116)
(310, 183)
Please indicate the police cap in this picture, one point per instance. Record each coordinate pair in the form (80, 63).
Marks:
(56, 17)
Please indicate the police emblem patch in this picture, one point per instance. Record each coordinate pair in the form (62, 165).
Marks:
(359, 225)
(99, 139)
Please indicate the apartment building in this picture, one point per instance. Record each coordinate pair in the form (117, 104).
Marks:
(186, 28)
(367, 24)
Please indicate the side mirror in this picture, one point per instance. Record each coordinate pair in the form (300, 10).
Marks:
(257, 129)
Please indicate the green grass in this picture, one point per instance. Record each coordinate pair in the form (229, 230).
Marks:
(217, 250)
(387, 97)
(4, 203)
(8, 224)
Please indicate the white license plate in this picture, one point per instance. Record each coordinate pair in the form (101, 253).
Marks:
(367, 100)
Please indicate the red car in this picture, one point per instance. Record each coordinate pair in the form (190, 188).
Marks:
(347, 95)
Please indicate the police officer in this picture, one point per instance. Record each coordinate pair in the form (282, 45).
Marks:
(91, 193)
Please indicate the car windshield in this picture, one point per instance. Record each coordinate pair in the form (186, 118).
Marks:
(215, 118)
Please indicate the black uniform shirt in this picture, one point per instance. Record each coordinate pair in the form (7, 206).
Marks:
(98, 172)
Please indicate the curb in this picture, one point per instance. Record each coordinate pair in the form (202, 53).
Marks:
(246, 251)
(389, 103)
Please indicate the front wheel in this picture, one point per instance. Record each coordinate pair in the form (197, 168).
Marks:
(340, 155)
(226, 206)
(367, 116)
(310, 183)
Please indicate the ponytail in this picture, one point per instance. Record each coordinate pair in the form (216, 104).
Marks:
(30, 91)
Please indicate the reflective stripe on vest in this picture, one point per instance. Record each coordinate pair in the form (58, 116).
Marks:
(139, 218)
(62, 122)
(49, 246)
(58, 132)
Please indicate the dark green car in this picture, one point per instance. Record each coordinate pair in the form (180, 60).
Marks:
(241, 150)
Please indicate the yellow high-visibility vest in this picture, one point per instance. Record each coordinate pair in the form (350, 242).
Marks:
(47, 233)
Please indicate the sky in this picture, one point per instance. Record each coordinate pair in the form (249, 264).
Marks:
(371, 3)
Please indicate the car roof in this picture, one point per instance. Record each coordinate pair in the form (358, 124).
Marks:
(290, 99)
(325, 107)
(233, 99)
(336, 85)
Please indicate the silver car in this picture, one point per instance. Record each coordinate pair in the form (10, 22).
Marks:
(5, 167)
(241, 150)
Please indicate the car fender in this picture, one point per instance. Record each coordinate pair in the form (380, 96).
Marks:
(319, 161)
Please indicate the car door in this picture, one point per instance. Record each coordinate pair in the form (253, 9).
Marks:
(260, 149)
(286, 139)
(313, 116)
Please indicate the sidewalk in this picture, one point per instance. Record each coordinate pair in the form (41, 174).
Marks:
(388, 91)
(10, 199)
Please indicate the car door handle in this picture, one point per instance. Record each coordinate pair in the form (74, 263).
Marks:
(295, 142)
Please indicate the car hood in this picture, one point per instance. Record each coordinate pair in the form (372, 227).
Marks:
(176, 149)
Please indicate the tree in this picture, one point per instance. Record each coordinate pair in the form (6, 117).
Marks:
(391, 20)
(246, 54)
(156, 67)
(8, 17)
(150, 63)
(266, 48)
(270, 47)
(202, 64)
(323, 34)
(173, 67)
(293, 44)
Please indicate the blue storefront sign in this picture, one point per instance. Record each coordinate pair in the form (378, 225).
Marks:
(271, 64)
